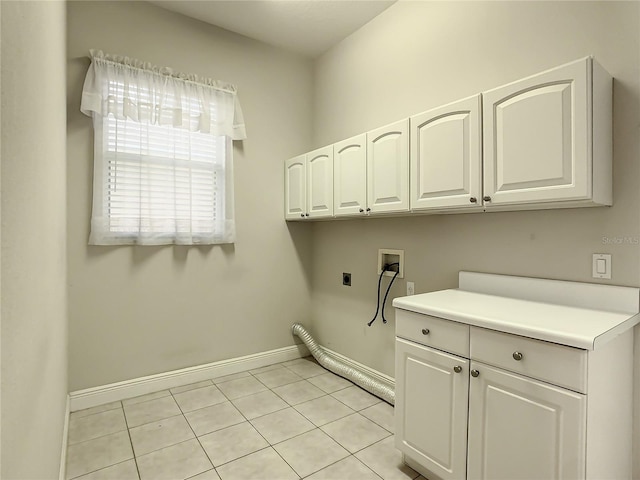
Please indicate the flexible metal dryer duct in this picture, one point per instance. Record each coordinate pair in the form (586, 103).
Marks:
(370, 384)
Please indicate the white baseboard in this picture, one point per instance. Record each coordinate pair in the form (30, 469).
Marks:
(92, 397)
(386, 379)
(65, 437)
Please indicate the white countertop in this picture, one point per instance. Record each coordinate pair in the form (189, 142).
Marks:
(571, 324)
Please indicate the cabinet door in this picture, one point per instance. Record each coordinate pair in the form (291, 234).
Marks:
(350, 176)
(537, 138)
(431, 408)
(295, 188)
(320, 182)
(388, 168)
(521, 429)
(446, 156)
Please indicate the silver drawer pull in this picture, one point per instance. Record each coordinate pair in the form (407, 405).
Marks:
(457, 369)
(517, 356)
(425, 331)
(475, 373)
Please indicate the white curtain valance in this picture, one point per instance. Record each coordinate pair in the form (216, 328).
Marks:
(140, 91)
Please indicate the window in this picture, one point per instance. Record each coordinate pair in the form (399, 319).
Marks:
(163, 156)
(162, 182)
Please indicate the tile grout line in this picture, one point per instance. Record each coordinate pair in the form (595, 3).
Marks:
(327, 423)
(320, 429)
(316, 427)
(304, 433)
(71, 414)
(193, 431)
(100, 469)
(126, 429)
(93, 438)
(133, 451)
(342, 459)
(270, 445)
(304, 379)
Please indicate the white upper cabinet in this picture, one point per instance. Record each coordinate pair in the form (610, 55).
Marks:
(388, 168)
(541, 142)
(350, 176)
(308, 183)
(446, 156)
(320, 183)
(547, 138)
(295, 185)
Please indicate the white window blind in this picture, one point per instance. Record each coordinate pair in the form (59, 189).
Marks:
(161, 174)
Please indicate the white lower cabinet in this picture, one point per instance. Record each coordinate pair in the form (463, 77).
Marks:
(520, 428)
(431, 422)
(495, 409)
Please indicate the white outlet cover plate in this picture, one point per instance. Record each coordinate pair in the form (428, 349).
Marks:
(601, 266)
(411, 288)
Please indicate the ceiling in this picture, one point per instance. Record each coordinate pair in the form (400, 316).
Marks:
(309, 27)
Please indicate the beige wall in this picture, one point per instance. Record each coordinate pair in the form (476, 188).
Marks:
(136, 311)
(141, 310)
(34, 305)
(419, 55)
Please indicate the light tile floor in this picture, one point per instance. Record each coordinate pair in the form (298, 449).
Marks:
(286, 421)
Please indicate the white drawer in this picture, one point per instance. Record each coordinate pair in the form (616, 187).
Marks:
(557, 364)
(434, 332)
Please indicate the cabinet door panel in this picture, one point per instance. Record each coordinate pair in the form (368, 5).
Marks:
(522, 429)
(524, 161)
(350, 176)
(295, 180)
(388, 168)
(446, 157)
(320, 182)
(537, 138)
(431, 408)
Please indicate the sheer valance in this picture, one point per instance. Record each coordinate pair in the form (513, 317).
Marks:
(163, 154)
(139, 91)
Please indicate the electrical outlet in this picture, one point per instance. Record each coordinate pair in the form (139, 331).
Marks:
(411, 288)
(346, 279)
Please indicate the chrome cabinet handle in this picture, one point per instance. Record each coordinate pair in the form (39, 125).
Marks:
(486, 198)
(361, 210)
(517, 356)
(425, 331)
(306, 214)
(302, 215)
(473, 199)
(457, 369)
(475, 373)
